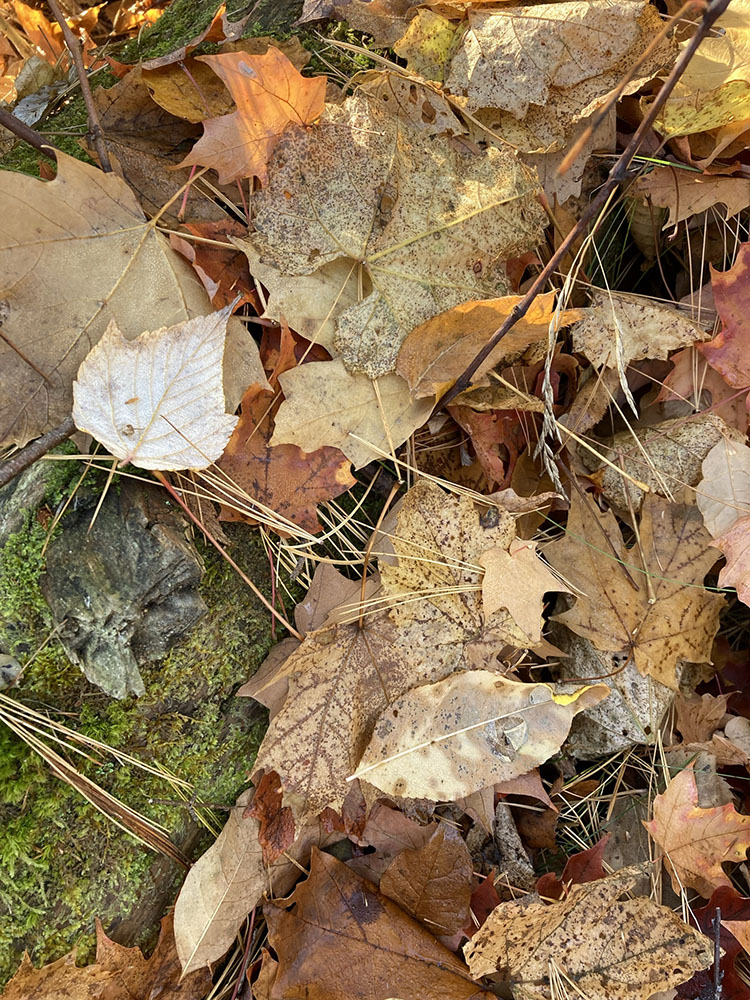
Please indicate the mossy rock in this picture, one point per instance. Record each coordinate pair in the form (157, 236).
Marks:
(62, 863)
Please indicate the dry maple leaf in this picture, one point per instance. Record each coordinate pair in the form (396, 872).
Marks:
(607, 948)
(686, 193)
(157, 401)
(695, 841)
(281, 478)
(433, 883)
(619, 328)
(337, 938)
(270, 94)
(418, 225)
(728, 352)
(57, 304)
(228, 880)
(723, 497)
(446, 740)
(118, 974)
(670, 616)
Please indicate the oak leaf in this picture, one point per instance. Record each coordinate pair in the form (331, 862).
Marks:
(695, 841)
(669, 617)
(421, 225)
(433, 883)
(607, 948)
(117, 974)
(270, 94)
(157, 401)
(326, 406)
(57, 304)
(337, 937)
(228, 880)
(444, 741)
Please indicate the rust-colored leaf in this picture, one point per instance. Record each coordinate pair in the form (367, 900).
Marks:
(276, 832)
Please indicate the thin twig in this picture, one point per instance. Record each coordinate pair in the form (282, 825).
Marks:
(22, 131)
(28, 455)
(76, 51)
(714, 9)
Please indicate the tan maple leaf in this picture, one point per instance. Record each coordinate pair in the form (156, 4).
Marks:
(608, 948)
(695, 841)
(658, 611)
(270, 94)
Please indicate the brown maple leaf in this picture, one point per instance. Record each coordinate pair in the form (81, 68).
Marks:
(695, 841)
(659, 613)
(270, 93)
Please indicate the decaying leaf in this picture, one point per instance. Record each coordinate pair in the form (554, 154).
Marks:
(657, 614)
(157, 401)
(433, 883)
(270, 94)
(723, 497)
(337, 937)
(686, 193)
(436, 352)
(619, 328)
(57, 304)
(324, 405)
(225, 884)
(118, 974)
(728, 352)
(446, 740)
(608, 948)
(695, 841)
(422, 225)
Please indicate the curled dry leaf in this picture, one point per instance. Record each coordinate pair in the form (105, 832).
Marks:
(157, 401)
(436, 352)
(608, 948)
(686, 193)
(270, 94)
(728, 352)
(619, 328)
(433, 883)
(419, 224)
(696, 841)
(446, 740)
(337, 937)
(657, 613)
(57, 304)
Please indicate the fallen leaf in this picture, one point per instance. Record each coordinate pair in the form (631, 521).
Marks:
(223, 271)
(118, 974)
(426, 44)
(281, 478)
(385, 20)
(446, 740)
(729, 352)
(687, 193)
(325, 405)
(693, 381)
(699, 716)
(619, 328)
(437, 352)
(586, 866)
(668, 618)
(433, 883)
(695, 841)
(723, 497)
(57, 304)
(157, 401)
(517, 579)
(329, 590)
(422, 225)
(497, 437)
(276, 833)
(423, 104)
(484, 899)
(337, 937)
(390, 833)
(607, 948)
(230, 879)
(270, 94)
(734, 939)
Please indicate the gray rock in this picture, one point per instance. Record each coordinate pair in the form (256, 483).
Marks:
(124, 589)
(24, 493)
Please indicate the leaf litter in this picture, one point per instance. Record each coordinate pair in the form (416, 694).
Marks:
(477, 683)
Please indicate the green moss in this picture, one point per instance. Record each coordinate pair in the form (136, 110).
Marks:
(182, 21)
(61, 862)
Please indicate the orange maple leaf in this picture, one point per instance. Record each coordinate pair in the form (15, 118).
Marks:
(696, 841)
(270, 94)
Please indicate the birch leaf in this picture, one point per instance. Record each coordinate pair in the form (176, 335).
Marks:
(447, 740)
(157, 401)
